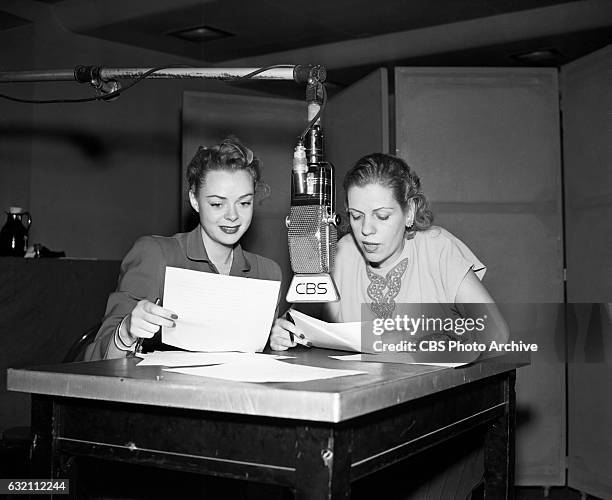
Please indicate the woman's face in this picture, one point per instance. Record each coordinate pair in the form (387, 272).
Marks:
(225, 205)
(378, 222)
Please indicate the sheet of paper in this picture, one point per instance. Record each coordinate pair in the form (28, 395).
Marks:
(186, 358)
(344, 336)
(393, 359)
(270, 370)
(218, 312)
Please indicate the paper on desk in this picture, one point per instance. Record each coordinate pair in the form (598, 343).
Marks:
(381, 358)
(268, 370)
(186, 358)
(344, 336)
(218, 312)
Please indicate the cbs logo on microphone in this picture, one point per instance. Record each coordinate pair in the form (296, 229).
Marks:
(312, 288)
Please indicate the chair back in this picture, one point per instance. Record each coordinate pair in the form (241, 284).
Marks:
(77, 350)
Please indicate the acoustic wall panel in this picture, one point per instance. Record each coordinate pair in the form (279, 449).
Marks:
(355, 123)
(587, 146)
(485, 142)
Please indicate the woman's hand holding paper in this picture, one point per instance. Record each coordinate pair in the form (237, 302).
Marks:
(281, 335)
(146, 318)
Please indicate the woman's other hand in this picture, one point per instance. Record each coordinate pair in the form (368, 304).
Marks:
(280, 338)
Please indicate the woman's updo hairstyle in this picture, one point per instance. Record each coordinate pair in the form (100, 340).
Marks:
(230, 155)
(395, 174)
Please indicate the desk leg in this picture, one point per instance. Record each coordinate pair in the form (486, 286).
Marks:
(46, 462)
(41, 463)
(66, 467)
(323, 464)
(499, 449)
(41, 466)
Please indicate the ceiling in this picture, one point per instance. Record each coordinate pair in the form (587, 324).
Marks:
(264, 26)
(8, 21)
(350, 37)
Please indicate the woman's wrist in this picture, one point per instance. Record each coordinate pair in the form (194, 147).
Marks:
(119, 340)
(125, 334)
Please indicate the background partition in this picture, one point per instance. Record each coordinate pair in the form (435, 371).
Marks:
(587, 146)
(356, 123)
(487, 147)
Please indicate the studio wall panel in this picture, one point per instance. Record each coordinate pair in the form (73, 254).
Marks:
(356, 122)
(486, 144)
(587, 146)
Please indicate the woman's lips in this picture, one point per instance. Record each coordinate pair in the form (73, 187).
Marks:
(229, 229)
(370, 247)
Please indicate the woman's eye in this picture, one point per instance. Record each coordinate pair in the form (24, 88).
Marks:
(382, 217)
(215, 205)
(246, 203)
(355, 216)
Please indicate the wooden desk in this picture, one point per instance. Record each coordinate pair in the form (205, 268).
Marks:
(314, 437)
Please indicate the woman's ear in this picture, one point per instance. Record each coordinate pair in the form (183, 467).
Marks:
(410, 213)
(194, 201)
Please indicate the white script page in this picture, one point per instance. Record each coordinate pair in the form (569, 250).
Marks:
(344, 336)
(218, 312)
(265, 370)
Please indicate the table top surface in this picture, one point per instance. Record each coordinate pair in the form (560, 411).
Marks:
(331, 400)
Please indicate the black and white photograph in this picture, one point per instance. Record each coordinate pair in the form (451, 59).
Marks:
(280, 249)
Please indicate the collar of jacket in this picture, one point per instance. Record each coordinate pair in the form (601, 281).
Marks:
(197, 251)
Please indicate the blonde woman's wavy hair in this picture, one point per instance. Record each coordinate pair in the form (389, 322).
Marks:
(230, 155)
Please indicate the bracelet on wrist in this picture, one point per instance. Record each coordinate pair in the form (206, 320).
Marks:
(117, 336)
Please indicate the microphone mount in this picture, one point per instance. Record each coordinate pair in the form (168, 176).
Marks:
(299, 73)
(106, 80)
(91, 75)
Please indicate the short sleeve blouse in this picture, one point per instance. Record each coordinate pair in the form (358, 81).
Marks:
(437, 263)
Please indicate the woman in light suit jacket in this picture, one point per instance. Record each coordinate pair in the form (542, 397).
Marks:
(223, 181)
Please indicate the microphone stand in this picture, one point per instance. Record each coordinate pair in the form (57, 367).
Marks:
(312, 222)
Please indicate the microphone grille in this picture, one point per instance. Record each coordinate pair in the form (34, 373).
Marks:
(312, 241)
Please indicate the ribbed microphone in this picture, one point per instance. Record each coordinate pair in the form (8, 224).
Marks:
(312, 223)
